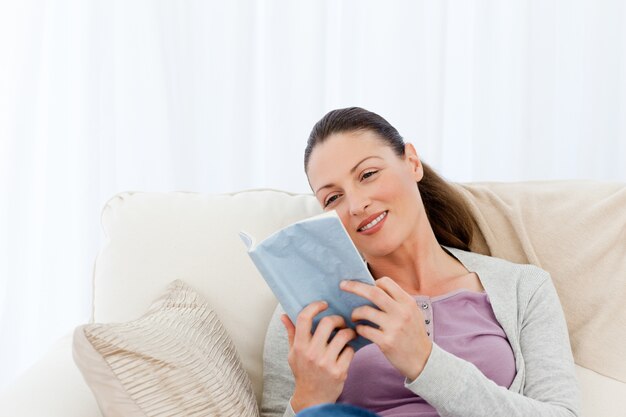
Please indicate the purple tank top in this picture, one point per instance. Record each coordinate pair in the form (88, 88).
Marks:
(462, 323)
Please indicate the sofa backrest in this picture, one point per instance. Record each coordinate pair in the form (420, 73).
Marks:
(574, 229)
(155, 238)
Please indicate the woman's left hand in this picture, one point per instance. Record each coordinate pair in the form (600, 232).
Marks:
(401, 335)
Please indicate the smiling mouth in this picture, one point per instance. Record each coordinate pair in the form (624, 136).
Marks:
(373, 222)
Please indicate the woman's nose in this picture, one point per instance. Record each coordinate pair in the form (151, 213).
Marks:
(358, 204)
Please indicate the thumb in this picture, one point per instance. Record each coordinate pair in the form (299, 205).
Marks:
(291, 329)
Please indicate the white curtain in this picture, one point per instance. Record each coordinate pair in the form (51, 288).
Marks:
(98, 97)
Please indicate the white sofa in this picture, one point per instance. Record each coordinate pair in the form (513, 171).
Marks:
(154, 238)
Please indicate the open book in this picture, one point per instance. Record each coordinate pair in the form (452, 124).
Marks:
(305, 262)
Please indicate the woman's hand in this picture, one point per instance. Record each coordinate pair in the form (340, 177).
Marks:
(401, 335)
(319, 368)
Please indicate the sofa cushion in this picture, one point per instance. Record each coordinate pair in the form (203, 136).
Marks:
(176, 359)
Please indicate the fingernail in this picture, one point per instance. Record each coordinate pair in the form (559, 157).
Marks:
(343, 284)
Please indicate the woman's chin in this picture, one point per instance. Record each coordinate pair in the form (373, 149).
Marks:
(378, 251)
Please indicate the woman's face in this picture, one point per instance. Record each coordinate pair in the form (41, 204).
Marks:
(372, 189)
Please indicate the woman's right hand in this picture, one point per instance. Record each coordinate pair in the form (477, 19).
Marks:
(319, 368)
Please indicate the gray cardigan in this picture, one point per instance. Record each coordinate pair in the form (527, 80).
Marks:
(527, 307)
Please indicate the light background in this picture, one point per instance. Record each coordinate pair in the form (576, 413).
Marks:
(98, 97)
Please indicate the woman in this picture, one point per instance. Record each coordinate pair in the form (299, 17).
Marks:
(459, 334)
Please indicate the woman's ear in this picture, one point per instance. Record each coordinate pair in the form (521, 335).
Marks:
(413, 160)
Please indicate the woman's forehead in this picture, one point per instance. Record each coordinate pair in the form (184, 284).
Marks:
(341, 152)
(347, 146)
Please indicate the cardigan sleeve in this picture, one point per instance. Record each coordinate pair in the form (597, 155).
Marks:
(278, 381)
(456, 388)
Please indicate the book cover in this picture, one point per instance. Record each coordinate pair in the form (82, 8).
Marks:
(305, 262)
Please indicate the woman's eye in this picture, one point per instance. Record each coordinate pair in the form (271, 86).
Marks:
(368, 174)
(330, 200)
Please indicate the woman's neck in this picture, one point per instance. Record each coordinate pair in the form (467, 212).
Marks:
(420, 267)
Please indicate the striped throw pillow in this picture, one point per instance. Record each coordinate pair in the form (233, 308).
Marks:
(176, 360)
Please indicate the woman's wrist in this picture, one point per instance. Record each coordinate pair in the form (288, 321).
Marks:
(420, 363)
(299, 402)
(290, 406)
(295, 406)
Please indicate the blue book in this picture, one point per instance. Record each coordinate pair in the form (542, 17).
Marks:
(305, 262)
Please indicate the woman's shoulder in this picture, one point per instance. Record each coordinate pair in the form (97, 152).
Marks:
(498, 272)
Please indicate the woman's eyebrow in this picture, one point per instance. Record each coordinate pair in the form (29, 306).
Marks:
(351, 171)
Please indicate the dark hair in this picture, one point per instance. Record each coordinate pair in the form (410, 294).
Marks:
(447, 211)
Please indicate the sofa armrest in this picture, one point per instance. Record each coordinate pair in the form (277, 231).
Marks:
(53, 387)
(601, 395)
